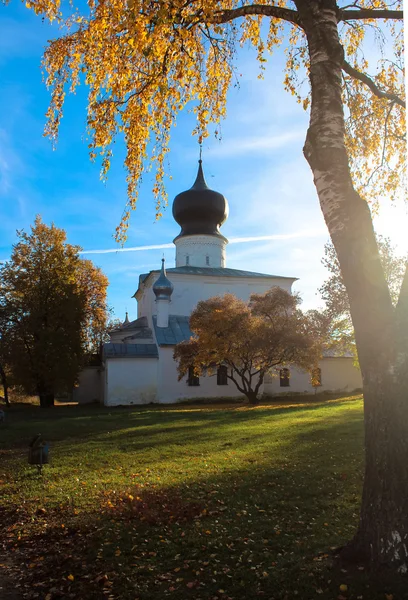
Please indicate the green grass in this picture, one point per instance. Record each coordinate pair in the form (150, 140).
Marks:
(198, 502)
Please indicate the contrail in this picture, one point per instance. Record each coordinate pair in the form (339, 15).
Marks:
(279, 236)
(131, 249)
(240, 240)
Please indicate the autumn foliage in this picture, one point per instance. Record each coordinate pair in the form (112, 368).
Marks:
(53, 311)
(144, 62)
(251, 340)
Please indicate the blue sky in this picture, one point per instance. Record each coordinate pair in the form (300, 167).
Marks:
(258, 166)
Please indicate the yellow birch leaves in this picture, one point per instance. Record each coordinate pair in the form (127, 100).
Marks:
(146, 61)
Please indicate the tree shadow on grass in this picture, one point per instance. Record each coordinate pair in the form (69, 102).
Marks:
(85, 422)
(263, 529)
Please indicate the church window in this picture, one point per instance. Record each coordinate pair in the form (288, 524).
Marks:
(222, 378)
(316, 377)
(187, 259)
(284, 377)
(192, 379)
(207, 261)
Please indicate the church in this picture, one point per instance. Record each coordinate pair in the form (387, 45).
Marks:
(137, 364)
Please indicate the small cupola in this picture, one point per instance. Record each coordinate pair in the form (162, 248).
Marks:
(163, 288)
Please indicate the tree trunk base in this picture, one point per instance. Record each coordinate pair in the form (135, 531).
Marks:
(46, 400)
(353, 553)
(253, 400)
(391, 555)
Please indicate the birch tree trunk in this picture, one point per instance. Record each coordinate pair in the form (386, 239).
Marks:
(382, 536)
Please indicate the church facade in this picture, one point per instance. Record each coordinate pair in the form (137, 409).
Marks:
(137, 363)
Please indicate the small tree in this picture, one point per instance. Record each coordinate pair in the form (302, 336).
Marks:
(334, 293)
(52, 304)
(249, 339)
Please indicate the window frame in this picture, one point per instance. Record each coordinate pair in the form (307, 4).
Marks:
(284, 377)
(222, 375)
(318, 378)
(192, 380)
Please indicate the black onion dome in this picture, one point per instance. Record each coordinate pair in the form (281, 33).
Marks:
(162, 287)
(200, 210)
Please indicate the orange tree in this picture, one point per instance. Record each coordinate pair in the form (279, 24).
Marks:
(249, 340)
(52, 308)
(144, 60)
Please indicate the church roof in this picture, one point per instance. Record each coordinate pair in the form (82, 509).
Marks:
(213, 272)
(177, 331)
(162, 287)
(138, 327)
(130, 351)
(200, 210)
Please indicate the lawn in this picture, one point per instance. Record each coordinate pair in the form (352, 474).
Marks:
(201, 502)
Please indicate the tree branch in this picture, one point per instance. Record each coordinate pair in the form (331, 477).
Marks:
(240, 389)
(369, 13)
(286, 14)
(347, 68)
(260, 382)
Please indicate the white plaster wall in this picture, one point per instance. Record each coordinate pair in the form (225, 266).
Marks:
(89, 387)
(338, 375)
(130, 381)
(197, 248)
(170, 390)
(190, 289)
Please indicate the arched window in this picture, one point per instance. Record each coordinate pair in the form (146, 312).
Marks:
(222, 378)
(192, 379)
(187, 259)
(284, 377)
(207, 261)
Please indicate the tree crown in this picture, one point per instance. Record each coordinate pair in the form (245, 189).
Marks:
(146, 61)
(250, 339)
(52, 309)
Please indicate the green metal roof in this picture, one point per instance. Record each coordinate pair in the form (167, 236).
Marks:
(177, 331)
(213, 272)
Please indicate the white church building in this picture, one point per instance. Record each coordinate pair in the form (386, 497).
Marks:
(137, 364)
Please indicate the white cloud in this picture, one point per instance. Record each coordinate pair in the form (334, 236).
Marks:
(253, 144)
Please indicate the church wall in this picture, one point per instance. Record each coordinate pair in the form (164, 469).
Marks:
(201, 251)
(190, 289)
(340, 374)
(130, 381)
(89, 388)
(337, 375)
(171, 391)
